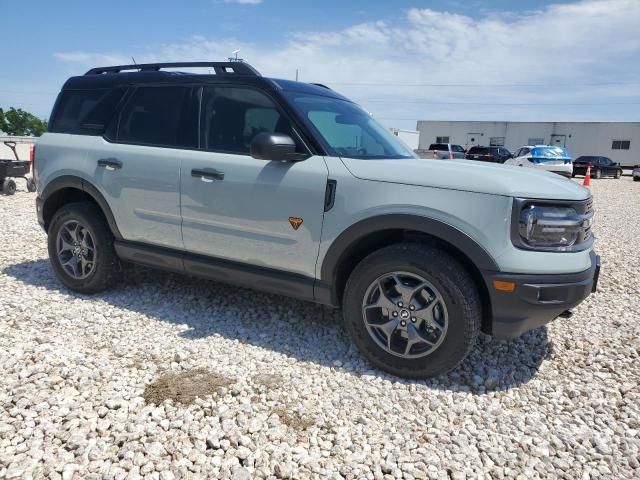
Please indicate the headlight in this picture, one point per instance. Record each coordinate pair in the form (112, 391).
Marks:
(551, 226)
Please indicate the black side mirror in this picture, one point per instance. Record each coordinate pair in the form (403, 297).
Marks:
(274, 146)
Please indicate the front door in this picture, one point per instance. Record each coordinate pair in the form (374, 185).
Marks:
(559, 140)
(234, 207)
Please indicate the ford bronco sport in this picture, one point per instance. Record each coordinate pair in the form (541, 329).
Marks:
(293, 189)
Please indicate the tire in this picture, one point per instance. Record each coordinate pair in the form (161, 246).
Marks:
(31, 185)
(618, 174)
(458, 306)
(636, 179)
(8, 186)
(100, 269)
(597, 174)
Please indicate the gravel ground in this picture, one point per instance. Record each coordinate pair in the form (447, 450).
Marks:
(172, 377)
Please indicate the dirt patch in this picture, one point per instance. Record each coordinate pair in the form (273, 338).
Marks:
(293, 419)
(184, 387)
(268, 380)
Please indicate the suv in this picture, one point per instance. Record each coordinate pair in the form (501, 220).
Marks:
(291, 188)
(444, 151)
(488, 154)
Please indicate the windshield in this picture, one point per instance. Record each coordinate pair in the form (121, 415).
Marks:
(347, 129)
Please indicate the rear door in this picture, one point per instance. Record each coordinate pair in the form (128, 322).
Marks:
(138, 169)
(264, 213)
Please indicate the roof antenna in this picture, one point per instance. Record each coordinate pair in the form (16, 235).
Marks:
(134, 61)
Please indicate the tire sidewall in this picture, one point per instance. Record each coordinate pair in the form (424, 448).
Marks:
(449, 353)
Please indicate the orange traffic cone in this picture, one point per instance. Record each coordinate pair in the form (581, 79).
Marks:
(587, 177)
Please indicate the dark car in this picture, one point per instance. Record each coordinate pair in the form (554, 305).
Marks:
(600, 167)
(488, 154)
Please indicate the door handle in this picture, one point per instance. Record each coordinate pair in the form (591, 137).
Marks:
(110, 163)
(207, 174)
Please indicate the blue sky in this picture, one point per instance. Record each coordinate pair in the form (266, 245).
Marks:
(402, 60)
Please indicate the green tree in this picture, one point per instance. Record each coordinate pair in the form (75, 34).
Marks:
(18, 122)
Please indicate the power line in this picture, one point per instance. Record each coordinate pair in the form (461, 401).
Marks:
(419, 102)
(497, 85)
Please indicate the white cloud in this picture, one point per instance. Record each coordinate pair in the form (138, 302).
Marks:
(573, 49)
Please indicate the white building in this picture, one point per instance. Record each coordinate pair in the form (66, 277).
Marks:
(409, 137)
(619, 141)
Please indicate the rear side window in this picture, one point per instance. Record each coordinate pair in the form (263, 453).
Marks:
(439, 146)
(85, 112)
(160, 116)
(478, 150)
(457, 148)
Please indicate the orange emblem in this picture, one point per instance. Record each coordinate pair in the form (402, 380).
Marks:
(295, 222)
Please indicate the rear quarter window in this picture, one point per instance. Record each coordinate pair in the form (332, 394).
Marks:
(85, 112)
(439, 146)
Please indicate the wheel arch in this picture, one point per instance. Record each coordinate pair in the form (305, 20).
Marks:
(69, 189)
(371, 234)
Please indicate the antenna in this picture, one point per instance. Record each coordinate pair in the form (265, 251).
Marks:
(134, 60)
(235, 56)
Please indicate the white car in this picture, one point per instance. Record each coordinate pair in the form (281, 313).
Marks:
(545, 157)
(636, 173)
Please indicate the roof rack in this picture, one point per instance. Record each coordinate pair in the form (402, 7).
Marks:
(221, 68)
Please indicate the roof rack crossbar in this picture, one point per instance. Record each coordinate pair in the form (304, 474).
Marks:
(221, 68)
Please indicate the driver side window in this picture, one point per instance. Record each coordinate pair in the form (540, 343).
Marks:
(231, 117)
(347, 139)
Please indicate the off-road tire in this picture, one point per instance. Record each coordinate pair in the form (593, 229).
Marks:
(106, 263)
(458, 291)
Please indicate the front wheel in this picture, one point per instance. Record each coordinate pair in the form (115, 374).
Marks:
(81, 248)
(597, 174)
(31, 185)
(412, 310)
(618, 174)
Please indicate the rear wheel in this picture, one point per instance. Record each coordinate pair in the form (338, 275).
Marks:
(597, 174)
(81, 248)
(31, 185)
(8, 186)
(618, 174)
(412, 310)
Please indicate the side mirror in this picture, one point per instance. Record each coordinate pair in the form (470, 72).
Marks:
(274, 146)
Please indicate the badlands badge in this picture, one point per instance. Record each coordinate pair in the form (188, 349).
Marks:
(295, 222)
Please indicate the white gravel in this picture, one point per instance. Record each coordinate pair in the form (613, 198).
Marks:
(288, 396)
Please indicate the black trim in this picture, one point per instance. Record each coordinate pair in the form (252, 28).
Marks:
(249, 276)
(69, 181)
(537, 299)
(330, 194)
(343, 246)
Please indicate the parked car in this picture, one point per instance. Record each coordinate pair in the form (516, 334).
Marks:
(292, 188)
(488, 154)
(544, 157)
(636, 173)
(600, 167)
(444, 150)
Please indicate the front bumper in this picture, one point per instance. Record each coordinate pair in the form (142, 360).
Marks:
(537, 299)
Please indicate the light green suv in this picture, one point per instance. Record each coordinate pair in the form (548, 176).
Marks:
(291, 188)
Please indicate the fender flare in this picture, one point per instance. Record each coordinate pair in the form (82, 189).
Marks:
(341, 247)
(71, 181)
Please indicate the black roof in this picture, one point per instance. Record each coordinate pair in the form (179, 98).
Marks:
(225, 72)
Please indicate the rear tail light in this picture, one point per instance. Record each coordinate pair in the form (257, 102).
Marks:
(450, 155)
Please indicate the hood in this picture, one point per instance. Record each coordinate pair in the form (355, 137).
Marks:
(470, 176)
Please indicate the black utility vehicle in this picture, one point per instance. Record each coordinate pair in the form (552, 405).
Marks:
(600, 167)
(488, 154)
